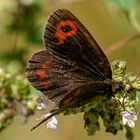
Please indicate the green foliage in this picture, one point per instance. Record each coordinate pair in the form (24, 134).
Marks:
(14, 62)
(15, 98)
(126, 5)
(23, 20)
(129, 8)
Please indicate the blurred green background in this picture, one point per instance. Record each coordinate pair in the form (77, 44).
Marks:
(22, 23)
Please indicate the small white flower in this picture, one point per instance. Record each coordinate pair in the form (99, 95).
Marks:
(42, 102)
(129, 118)
(51, 123)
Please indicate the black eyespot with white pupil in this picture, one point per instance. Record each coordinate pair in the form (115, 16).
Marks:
(55, 39)
(66, 28)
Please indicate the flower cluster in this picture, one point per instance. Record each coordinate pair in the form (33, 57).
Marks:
(116, 112)
(128, 96)
(15, 98)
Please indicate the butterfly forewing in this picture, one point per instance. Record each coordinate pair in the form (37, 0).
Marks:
(75, 43)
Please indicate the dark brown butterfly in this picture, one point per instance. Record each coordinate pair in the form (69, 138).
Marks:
(72, 70)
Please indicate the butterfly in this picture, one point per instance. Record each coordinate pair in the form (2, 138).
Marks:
(73, 69)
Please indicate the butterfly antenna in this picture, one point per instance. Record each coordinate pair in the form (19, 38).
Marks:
(45, 119)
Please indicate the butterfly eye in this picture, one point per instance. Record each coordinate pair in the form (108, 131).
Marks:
(55, 39)
(66, 28)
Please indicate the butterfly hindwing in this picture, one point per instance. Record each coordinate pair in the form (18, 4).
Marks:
(55, 77)
(45, 75)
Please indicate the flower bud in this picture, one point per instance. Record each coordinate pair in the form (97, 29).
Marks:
(136, 85)
(122, 65)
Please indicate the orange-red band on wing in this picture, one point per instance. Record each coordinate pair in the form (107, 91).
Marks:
(41, 73)
(43, 84)
(62, 36)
